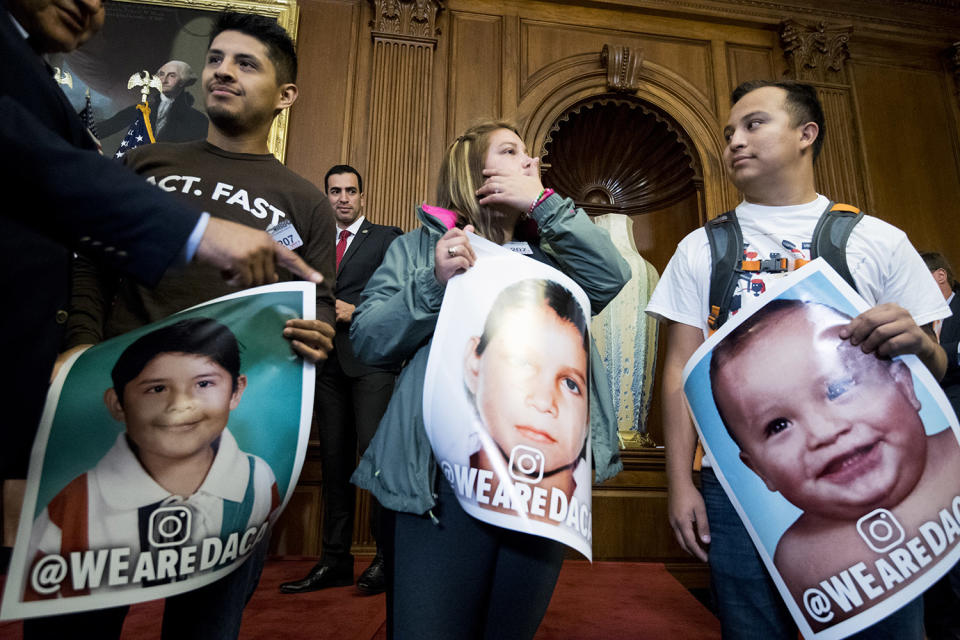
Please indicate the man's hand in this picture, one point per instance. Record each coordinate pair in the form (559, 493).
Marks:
(344, 311)
(453, 254)
(685, 507)
(247, 257)
(688, 518)
(889, 330)
(310, 339)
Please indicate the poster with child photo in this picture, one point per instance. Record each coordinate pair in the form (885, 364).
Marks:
(843, 466)
(163, 456)
(506, 396)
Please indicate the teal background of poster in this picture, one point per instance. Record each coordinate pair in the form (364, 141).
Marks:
(266, 422)
(770, 514)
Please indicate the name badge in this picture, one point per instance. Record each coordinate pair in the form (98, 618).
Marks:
(284, 233)
(522, 248)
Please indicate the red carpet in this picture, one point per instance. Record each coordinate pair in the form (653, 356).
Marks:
(628, 600)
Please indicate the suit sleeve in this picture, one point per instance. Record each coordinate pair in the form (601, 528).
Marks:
(88, 202)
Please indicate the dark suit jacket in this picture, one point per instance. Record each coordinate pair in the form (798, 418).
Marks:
(59, 196)
(949, 337)
(363, 256)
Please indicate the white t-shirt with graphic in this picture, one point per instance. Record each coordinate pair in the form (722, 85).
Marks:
(884, 265)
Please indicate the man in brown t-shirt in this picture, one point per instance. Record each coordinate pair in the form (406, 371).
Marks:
(248, 78)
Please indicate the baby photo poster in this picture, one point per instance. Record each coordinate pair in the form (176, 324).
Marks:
(843, 466)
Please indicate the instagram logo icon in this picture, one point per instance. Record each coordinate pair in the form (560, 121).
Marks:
(526, 464)
(880, 530)
(169, 526)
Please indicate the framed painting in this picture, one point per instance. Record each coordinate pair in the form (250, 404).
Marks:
(166, 39)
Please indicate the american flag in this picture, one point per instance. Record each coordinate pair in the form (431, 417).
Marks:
(86, 114)
(139, 132)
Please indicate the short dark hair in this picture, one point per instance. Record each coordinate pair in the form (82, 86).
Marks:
(533, 293)
(802, 103)
(936, 261)
(275, 38)
(193, 336)
(337, 169)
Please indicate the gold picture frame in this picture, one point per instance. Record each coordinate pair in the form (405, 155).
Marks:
(143, 35)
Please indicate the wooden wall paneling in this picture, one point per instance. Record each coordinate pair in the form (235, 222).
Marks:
(838, 173)
(911, 152)
(818, 54)
(630, 512)
(550, 47)
(748, 63)
(474, 78)
(363, 542)
(918, 20)
(297, 532)
(404, 39)
(950, 57)
(721, 71)
(321, 119)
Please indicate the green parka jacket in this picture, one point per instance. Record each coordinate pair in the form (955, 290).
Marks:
(395, 321)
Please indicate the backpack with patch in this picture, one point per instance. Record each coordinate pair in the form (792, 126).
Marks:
(727, 265)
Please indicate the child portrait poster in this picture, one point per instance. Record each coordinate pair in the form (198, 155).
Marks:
(264, 440)
(508, 420)
(811, 413)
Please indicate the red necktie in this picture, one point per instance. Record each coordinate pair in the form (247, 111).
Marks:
(342, 245)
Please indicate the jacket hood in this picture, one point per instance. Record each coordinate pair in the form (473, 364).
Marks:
(442, 220)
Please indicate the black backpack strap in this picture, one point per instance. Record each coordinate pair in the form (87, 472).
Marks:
(830, 237)
(726, 254)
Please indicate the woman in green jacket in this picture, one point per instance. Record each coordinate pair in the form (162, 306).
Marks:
(449, 575)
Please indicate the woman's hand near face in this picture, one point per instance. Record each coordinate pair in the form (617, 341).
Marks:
(453, 254)
(515, 190)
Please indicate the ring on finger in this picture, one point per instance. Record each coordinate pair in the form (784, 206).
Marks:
(452, 252)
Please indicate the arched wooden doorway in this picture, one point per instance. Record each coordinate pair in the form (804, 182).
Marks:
(624, 156)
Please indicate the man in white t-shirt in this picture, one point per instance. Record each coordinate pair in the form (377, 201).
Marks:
(774, 133)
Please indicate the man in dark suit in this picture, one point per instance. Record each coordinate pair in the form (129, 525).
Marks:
(942, 600)
(351, 396)
(61, 196)
(949, 330)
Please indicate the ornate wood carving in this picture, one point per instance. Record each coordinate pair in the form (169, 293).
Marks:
(417, 18)
(619, 156)
(401, 84)
(623, 67)
(812, 48)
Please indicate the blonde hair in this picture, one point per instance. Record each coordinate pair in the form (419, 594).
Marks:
(461, 174)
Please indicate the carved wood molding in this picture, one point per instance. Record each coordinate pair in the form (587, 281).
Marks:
(405, 34)
(406, 18)
(810, 47)
(623, 67)
(839, 172)
(620, 155)
(920, 25)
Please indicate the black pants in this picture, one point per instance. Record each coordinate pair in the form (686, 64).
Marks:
(212, 612)
(348, 411)
(466, 579)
